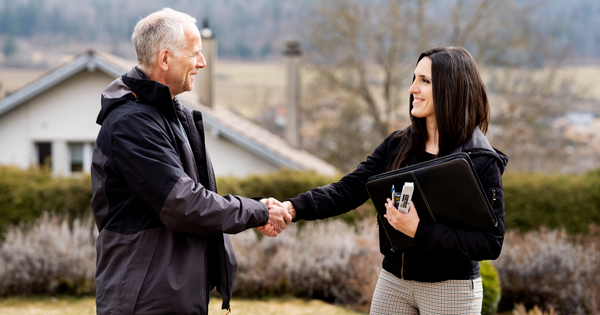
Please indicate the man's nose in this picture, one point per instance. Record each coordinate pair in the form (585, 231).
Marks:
(200, 61)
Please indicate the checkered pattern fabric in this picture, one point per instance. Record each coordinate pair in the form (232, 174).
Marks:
(397, 296)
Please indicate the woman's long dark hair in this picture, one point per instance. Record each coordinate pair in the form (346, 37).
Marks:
(459, 100)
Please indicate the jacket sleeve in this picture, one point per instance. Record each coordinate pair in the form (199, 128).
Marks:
(345, 195)
(472, 245)
(144, 153)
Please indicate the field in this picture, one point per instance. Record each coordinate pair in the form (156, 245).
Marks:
(249, 87)
(87, 305)
(12, 79)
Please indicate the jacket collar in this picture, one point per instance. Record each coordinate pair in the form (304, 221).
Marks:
(150, 92)
(477, 142)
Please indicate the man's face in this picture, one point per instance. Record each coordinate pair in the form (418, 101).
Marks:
(180, 75)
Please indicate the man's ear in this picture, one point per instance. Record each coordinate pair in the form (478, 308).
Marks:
(164, 59)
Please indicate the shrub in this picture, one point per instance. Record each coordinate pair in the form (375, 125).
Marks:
(532, 200)
(491, 288)
(285, 184)
(48, 257)
(26, 194)
(571, 202)
(280, 184)
(328, 260)
(548, 269)
(521, 310)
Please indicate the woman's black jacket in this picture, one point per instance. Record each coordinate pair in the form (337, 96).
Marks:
(442, 253)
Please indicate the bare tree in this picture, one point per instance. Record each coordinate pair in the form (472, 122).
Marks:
(365, 52)
(497, 33)
(356, 72)
(526, 103)
(358, 57)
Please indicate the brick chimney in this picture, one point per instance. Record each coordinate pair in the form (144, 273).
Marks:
(292, 60)
(205, 79)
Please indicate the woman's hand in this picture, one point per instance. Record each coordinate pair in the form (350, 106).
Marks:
(406, 223)
(287, 205)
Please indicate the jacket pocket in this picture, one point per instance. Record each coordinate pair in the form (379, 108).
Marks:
(140, 250)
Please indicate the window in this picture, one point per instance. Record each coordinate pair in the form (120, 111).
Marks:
(44, 153)
(76, 157)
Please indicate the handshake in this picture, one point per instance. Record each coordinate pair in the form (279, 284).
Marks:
(280, 215)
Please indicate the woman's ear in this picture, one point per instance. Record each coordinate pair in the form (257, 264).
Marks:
(164, 59)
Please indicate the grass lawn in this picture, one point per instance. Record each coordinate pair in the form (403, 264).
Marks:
(87, 305)
(48, 305)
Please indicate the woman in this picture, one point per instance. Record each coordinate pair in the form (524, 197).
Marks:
(449, 113)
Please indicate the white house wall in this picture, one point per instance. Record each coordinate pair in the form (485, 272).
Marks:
(67, 114)
(229, 159)
(69, 110)
(64, 114)
(15, 144)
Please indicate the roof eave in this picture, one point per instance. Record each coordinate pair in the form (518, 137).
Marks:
(87, 61)
(220, 129)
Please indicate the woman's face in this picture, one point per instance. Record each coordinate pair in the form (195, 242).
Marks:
(422, 92)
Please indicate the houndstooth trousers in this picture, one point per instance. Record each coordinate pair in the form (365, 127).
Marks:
(397, 296)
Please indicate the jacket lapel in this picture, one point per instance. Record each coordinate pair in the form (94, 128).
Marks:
(205, 169)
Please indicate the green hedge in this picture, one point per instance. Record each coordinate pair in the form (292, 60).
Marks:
(569, 201)
(280, 185)
(532, 200)
(285, 184)
(26, 194)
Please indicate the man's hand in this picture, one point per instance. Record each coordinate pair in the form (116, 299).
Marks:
(287, 205)
(279, 218)
(267, 230)
(406, 223)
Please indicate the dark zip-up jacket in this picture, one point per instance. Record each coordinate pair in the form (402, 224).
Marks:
(443, 253)
(161, 246)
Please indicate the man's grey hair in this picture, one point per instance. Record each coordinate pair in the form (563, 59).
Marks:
(160, 30)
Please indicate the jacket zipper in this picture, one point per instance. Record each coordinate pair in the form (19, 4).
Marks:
(402, 268)
(225, 274)
(493, 197)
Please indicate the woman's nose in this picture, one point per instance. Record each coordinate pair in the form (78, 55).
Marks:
(413, 89)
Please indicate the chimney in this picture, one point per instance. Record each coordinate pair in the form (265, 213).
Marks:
(205, 82)
(292, 59)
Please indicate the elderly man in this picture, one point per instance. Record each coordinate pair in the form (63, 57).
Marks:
(162, 246)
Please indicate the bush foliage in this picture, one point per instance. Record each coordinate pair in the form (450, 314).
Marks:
(491, 288)
(532, 200)
(551, 269)
(344, 269)
(285, 184)
(554, 201)
(49, 256)
(26, 194)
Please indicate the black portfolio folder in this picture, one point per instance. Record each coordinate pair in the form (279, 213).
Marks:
(446, 191)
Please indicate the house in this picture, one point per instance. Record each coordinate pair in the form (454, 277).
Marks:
(53, 119)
